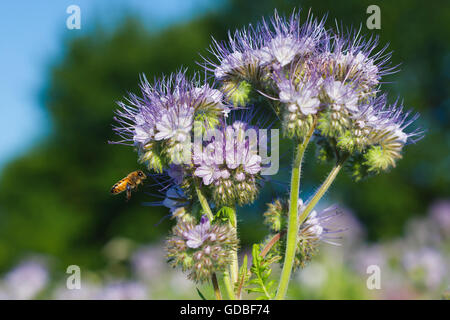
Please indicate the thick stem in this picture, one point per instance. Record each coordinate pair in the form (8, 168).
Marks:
(207, 209)
(323, 188)
(234, 267)
(227, 283)
(216, 287)
(332, 175)
(291, 239)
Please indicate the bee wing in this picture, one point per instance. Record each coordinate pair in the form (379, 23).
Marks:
(128, 192)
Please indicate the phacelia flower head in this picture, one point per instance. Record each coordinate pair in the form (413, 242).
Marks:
(317, 227)
(288, 40)
(159, 122)
(252, 53)
(201, 249)
(299, 95)
(376, 136)
(229, 165)
(341, 102)
(350, 57)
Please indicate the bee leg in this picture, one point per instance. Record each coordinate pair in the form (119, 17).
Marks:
(128, 192)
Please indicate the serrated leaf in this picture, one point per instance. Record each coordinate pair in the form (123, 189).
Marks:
(262, 271)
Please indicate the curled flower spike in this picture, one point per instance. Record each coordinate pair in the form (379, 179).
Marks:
(350, 57)
(201, 249)
(160, 121)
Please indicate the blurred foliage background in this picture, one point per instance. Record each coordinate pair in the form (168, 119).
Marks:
(55, 198)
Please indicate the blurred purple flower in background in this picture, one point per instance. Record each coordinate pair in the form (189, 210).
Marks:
(123, 291)
(25, 281)
(440, 213)
(426, 265)
(148, 262)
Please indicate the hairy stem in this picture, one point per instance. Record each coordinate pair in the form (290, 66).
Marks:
(207, 209)
(332, 175)
(234, 268)
(291, 240)
(228, 287)
(216, 287)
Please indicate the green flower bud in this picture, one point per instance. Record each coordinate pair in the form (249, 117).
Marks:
(151, 155)
(346, 141)
(238, 93)
(378, 159)
(275, 216)
(296, 126)
(356, 167)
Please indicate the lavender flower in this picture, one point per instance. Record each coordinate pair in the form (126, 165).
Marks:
(26, 280)
(229, 166)
(252, 53)
(160, 122)
(300, 96)
(123, 291)
(349, 57)
(148, 262)
(316, 228)
(199, 234)
(426, 265)
(201, 249)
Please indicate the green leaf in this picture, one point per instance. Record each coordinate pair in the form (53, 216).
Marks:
(243, 277)
(201, 294)
(226, 214)
(261, 271)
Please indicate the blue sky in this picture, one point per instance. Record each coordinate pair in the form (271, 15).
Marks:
(31, 38)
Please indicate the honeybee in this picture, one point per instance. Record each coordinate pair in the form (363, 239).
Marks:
(129, 183)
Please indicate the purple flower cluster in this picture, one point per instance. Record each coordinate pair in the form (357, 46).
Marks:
(252, 53)
(202, 248)
(229, 164)
(324, 80)
(320, 83)
(160, 121)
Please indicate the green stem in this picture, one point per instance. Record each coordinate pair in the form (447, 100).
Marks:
(234, 267)
(203, 202)
(216, 287)
(291, 240)
(323, 188)
(207, 209)
(227, 283)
